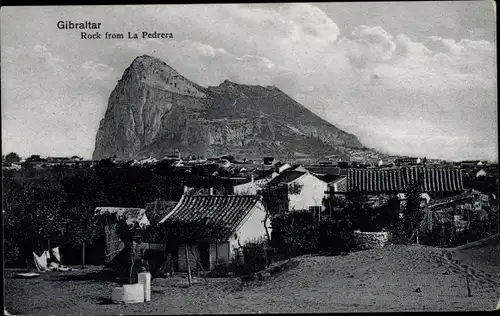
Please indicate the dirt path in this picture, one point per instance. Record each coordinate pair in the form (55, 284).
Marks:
(395, 278)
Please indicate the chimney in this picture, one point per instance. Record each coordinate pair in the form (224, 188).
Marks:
(211, 191)
(179, 155)
(252, 178)
(185, 189)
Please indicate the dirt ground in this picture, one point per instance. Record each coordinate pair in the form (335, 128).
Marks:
(380, 280)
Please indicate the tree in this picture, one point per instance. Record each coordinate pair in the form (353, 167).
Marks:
(12, 157)
(413, 213)
(33, 210)
(275, 198)
(335, 231)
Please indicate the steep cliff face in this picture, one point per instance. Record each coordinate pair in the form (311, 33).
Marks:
(154, 110)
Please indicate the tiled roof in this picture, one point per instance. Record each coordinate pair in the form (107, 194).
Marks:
(287, 176)
(222, 212)
(328, 178)
(398, 179)
(442, 202)
(324, 169)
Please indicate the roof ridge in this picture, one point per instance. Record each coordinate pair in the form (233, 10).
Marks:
(228, 195)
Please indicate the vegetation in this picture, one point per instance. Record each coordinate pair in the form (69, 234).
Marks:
(58, 204)
(11, 157)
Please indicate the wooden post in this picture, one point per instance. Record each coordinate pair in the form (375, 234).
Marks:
(83, 255)
(265, 256)
(187, 263)
(216, 252)
(468, 286)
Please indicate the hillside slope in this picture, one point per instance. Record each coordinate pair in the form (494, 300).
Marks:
(154, 110)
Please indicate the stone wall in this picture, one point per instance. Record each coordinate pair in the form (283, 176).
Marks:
(369, 240)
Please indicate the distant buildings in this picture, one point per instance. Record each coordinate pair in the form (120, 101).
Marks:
(407, 161)
(269, 161)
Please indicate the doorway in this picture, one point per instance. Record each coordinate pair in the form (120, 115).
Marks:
(204, 251)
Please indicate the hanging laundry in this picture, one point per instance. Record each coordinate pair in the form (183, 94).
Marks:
(41, 261)
(56, 257)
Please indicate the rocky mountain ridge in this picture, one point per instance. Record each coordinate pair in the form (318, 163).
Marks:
(154, 111)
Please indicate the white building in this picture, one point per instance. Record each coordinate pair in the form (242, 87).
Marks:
(305, 189)
(234, 219)
(481, 173)
(283, 167)
(251, 188)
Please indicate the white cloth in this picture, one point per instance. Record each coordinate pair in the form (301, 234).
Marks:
(41, 262)
(55, 254)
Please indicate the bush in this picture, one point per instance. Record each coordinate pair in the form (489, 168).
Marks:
(295, 234)
(250, 258)
(336, 234)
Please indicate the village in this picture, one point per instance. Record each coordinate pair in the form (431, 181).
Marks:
(250, 220)
(268, 158)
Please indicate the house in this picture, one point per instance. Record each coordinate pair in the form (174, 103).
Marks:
(298, 167)
(323, 170)
(380, 184)
(469, 163)
(305, 189)
(282, 167)
(457, 209)
(325, 162)
(224, 163)
(269, 161)
(338, 186)
(343, 164)
(481, 173)
(232, 221)
(60, 159)
(11, 166)
(35, 159)
(407, 161)
(145, 161)
(396, 180)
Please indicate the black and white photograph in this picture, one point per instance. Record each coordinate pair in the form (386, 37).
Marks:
(250, 158)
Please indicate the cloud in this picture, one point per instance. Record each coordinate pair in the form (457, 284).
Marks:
(370, 45)
(395, 79)
(97, 71)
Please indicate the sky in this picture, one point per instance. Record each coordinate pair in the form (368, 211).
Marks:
(408, 78)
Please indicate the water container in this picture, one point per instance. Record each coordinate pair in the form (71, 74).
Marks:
(144, 278)
(128, 293)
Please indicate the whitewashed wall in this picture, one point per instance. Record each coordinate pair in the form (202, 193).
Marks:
(251, 229)
(250, 188)
(312, 193)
